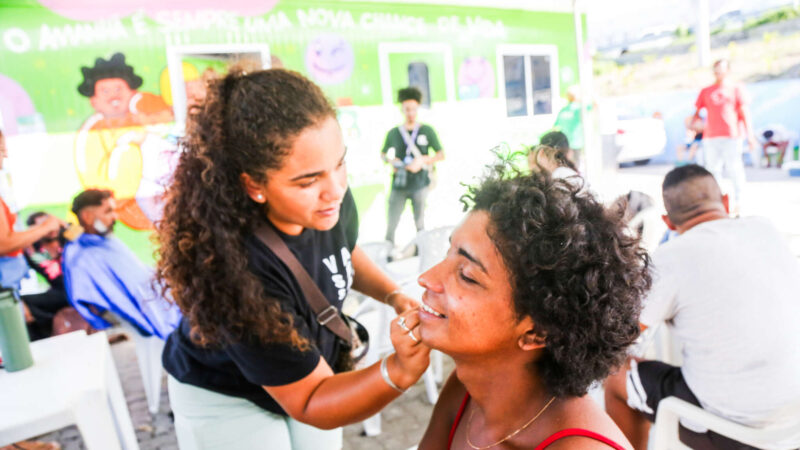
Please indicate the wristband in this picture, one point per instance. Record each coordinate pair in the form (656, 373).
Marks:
(390, 294)
(385, 374)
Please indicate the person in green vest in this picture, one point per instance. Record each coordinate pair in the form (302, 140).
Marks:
(568, 121)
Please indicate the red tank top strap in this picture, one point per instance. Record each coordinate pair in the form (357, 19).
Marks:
(458, 419)
(578, 432)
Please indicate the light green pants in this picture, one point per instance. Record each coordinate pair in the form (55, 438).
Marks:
(206, 420)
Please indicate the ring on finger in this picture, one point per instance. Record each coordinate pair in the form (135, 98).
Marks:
(402, 324)
(411, 335)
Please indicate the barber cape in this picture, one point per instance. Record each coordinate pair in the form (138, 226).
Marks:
(102, 274)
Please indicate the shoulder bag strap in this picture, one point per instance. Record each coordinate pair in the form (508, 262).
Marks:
(410, 140)
(327, 314)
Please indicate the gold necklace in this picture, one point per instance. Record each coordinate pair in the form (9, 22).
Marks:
(514, 433)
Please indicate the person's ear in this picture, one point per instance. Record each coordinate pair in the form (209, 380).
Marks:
(669, 223)
(85, 217)
(530, 339)
(254, 190)
(726, 203)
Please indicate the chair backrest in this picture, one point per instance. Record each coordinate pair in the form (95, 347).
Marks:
(31, 284)
(432, 246)
(378, 252)
(649, 219)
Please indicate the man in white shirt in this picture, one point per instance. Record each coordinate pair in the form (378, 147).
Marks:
(728, 290)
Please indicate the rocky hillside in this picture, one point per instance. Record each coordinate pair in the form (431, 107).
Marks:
(764, 53)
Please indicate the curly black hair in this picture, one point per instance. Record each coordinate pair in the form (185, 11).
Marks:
(114, 67)
(409, 93)
(246, 125)
(574, 271)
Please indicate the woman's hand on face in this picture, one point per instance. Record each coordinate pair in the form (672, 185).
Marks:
(402, 303)
(412, 357)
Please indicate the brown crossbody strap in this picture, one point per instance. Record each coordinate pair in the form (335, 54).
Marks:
(327, 314)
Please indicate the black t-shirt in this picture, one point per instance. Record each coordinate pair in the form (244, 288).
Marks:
(426, 139)
(240, 369)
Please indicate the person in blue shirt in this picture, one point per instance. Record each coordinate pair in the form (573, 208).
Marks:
(102, 274)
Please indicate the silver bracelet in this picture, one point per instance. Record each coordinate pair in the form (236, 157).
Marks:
(385, 374)
(390, 294)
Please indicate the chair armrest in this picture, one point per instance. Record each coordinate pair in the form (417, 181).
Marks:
(672, 408)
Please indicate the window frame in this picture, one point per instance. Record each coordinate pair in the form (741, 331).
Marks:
(526, 51)
(175, 54)
(441, 48)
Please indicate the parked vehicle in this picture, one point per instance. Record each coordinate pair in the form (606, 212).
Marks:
(635, 135)
(640, 138)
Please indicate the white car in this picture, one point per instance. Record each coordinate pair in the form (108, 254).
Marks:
(639, 137)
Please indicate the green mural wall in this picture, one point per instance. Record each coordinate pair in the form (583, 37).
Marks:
(44, 46)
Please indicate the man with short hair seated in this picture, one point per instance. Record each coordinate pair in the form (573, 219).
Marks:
(102, 274)
(727, 289)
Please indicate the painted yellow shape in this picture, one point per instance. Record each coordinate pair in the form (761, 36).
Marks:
(190, 73)
(109, 158)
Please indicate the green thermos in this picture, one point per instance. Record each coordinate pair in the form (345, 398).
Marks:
(14, 340)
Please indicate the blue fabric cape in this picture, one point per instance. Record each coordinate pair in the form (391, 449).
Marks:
(100, 271)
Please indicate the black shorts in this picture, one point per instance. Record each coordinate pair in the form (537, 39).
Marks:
(649, 382)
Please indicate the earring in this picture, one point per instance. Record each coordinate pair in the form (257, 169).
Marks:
(259, 197)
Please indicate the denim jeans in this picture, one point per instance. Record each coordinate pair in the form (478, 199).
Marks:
(397, 202)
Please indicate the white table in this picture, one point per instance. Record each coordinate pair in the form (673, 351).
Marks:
(73, 381)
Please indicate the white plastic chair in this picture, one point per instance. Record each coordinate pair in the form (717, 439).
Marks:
(433, 245)
(376, 316)
(658, 343)
(671, 409)
(432, 248)
(652, 227)
(31, 284)
(148, 355)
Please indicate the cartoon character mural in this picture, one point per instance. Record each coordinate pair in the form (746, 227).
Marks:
(194, 83)
(124, 145)
(475, 78)
(20, 119)
(330, 59)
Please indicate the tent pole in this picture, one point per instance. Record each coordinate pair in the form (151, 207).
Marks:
(703, 34)
(591, 152)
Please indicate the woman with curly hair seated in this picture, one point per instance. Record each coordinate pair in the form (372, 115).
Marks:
(537, 299)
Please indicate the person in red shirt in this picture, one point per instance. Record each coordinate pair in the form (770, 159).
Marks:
(726, 107)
